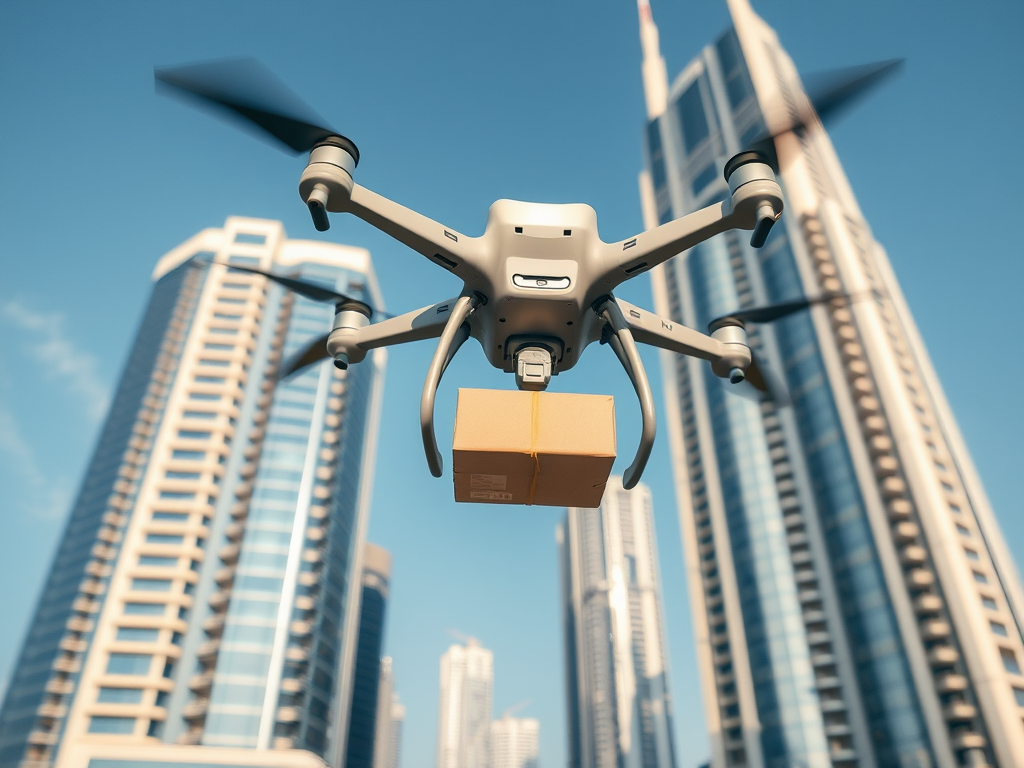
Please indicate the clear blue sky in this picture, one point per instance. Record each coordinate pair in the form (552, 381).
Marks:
(453, 105)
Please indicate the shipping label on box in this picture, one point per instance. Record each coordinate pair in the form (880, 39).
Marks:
(541, 448)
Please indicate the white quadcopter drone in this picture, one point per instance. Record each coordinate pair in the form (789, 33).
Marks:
(538, 285)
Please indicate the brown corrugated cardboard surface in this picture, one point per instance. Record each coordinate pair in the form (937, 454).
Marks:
(542, 448)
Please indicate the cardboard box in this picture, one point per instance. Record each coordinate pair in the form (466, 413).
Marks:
(540, 448)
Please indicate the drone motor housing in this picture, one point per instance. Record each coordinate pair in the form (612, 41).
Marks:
(326, 182)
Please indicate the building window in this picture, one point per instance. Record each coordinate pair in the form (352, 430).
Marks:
(954, 508)
(989, 603)
(164, 538)
(971, 554)
(152, 561)
(151, 585)
(210, 380)
(120, 725)
(705, 177)
(199, 415)
(1018, 694)
(214, 363)
(191, 434)
(171, 517)
(998, 629)
(224, 316)
(252, 238)
(137, 634)
(247, 261)
(1010, 663)
(182, 475)
(208, 396)
(963, 530)
(129, 664)
(692, 117)
(156, 729)
(120, 696)
(144, 609)
(177, 495)
(981, 578)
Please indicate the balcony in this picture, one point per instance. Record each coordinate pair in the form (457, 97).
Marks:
(943, 656)
(54, 711)
(919, 578)
(229, 553)
(68, 665)
(968, 741)
(195, 710)
(85, 605)
(913, 555)
(208, 650)
(935, 630)
(900, 509)
(73, 644)
(79, 624)
(951, 683)
(201, 682)
(60, 687)
(827, 683)
(959, 711)
(43, 738)
(928, 603)
(905, 531)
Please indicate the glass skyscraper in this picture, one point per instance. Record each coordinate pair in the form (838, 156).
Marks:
(853, 599)
(619, 710)
(203, 592)
(363, 730)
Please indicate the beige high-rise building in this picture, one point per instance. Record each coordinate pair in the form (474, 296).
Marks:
(515, 742)
(853, 599)
(203, 603)
(464, 706)
(618, 705)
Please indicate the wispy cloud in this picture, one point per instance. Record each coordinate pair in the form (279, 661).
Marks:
(48, 343)
(43, 496)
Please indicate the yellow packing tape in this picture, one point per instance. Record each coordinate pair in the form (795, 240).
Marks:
(534, 419)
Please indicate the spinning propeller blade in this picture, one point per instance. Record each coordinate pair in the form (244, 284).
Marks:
(301, 287)
(313, 352)
(828, 95)
(768, 384)
(761, 376)
(246, 89)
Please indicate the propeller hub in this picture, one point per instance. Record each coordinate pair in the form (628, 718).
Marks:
(725, 322)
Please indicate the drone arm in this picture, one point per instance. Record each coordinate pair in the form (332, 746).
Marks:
(625, 349)
(656, 331)
(649, 249)
(451, 339)
(438, 243)
(420, 324)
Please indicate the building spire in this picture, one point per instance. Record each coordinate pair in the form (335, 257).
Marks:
(654, 72)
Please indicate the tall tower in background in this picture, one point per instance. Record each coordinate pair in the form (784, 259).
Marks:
(464, 706)
(853, 599)
(387, 750)
(206, 589)
(515, 742)
(619, 707)
(362, 729)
